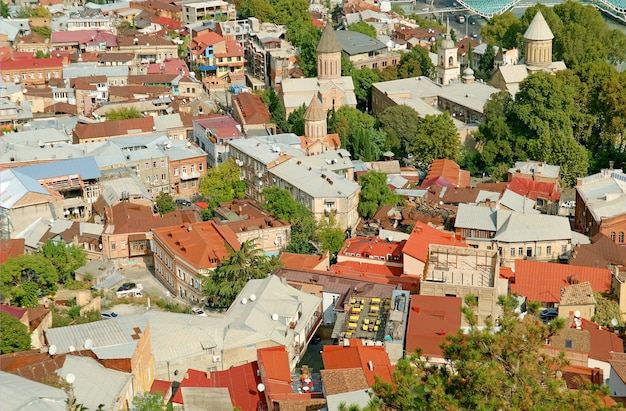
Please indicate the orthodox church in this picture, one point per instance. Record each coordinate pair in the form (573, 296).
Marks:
(537, 57)
(329, 87)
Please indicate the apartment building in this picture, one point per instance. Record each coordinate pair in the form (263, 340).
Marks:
(208, 10)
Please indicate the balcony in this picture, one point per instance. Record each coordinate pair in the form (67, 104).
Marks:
(189, 176)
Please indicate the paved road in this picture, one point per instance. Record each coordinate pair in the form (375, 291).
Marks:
(151, 286)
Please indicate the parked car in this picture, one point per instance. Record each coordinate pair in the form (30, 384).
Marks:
(198, 311)
(316, 339)
(127, 286)
(183, 203)
(548, 314)
(130, 290)
(107, 314)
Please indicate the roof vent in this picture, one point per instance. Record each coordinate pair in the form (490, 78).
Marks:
(275, 317)
(244, 300)
(252, 297)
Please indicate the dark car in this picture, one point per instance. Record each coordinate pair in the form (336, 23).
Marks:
(316, 339)
(548, 314)
(182, 202)
(127, 286)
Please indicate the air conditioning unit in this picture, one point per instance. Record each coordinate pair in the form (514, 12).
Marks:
(217, 358)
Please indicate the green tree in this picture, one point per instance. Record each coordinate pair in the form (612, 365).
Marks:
(363, 80)
(26, 12)
(296, 120)
(416, 63)
(331, 237)
(304, 35)
(346, 121)
(40, 54)
(363, 28)
(486, 62)
(122, 113)
(24, 277)
(14, 336)
(222, 184)
(242, 265)
(4, 9)
(148, 402)
(437, 137)
(504, 29)
(401, 123)
(490, 370)
(303, 224)
(42, 31)
(374, 193)
(206, 214)
(276, 109)
(165, 203)
(607, 309)
(67, 258)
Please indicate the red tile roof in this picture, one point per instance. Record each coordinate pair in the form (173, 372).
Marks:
(169, 23)
(357, 355)
(33, 365)
(302, 261)
(541, 281)
(450, 171)
(233, 49)
(376, 272)
(130, 218)
(113, 128)
(533, 189)
(430, 320)
(252, 108)
(603, 341)
(276, 375)
(422, 236)
(90, 37)
(13, 247)
(13, 311)
(365, 247)
(241, 381)
(221, 125)
(144, 40)
(203, 245)
(160, 387)
(51, 62)
(169, 66)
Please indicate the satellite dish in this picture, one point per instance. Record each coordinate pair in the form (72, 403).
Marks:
(614, 322)
(244, 300)
(89, 343)
(275, 317)
(52, 350)
(260, 387)
(72, 348)
(252, 297)
(70, 378)
(577, 314)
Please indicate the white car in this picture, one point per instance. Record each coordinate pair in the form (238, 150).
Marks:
(198, 311)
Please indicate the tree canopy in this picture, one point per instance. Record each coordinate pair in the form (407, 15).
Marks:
(489, 369)
(164, 203)
(122, 113)
(66, 258)
(222, 184)
(25, 277)
(241, 266)
(363, 28)
(374, 193)
(14, 336)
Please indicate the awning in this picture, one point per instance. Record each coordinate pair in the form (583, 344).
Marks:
(207, 68)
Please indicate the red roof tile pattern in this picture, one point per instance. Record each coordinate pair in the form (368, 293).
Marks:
(603, 341)
(430, 320)
(132, 218)
(302, 261)
(357, 355)
(32, 63)
(241, 381)
(33, 365)
(376, 272)
(160, 387)
(233, 49)
(221, 125)
(374, 248)
(169, 66)
(88, 37)
(11, 248)
(534, 189)
(144, 40)
(450, 171)
(422, 236)
(168, 23)
(542, 281)
(252, 108)
(113, 128)
(204, 245)
(600, 253)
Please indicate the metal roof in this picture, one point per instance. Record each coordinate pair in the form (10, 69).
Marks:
(517, 202)
(604, 193)
(18, 393)
(479, 218)
(354, 43)
(519, 227)
(93, 69)
(311, 180)
(538, 29)
(14, 185)
(86, 167)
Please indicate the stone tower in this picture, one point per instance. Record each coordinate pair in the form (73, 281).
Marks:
(315, 120)
(448, 67)
(538, 38)
(328, 54)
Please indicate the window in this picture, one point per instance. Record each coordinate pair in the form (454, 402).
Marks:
(113, 245)
(538, 251)
(200, 167)
(162, 176)
(613, 236)
(193, 168)
(529, 251)
(184, 169)
(193, 183)
(148, 179)
(147, 165)
(621, 237)
(563, 248)
(162, 163)
(548, 250)
(176, 171)
(154, 164)
(520, 251)
(155, 177)
(512, 252)
(123, 245)
(568, 344)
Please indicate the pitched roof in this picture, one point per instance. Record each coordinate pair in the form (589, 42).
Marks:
(241, 381)
(113, 128)
(603, 341)
(577, 294)
(302, 261)
(315, 111)
(538, 29)
(533, 189)
(600, 253)
(342, 380)
(252, 108)
(329, 43)
(431, 318)
(221, 125)
(126, 217)
(203, 245)
(542, 281)
(358, 355)
(449, 170)
(422, 236)
(375, 272)
(11, 248)
(18, 393)
(50, 62)
(618, 363)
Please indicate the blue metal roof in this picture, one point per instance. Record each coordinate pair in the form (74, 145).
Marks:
(86, 167)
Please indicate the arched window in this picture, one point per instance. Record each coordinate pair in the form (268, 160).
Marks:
(451, 61)
(621, 237)
(613, 236)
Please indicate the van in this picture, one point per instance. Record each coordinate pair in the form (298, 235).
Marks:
(460, 19)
